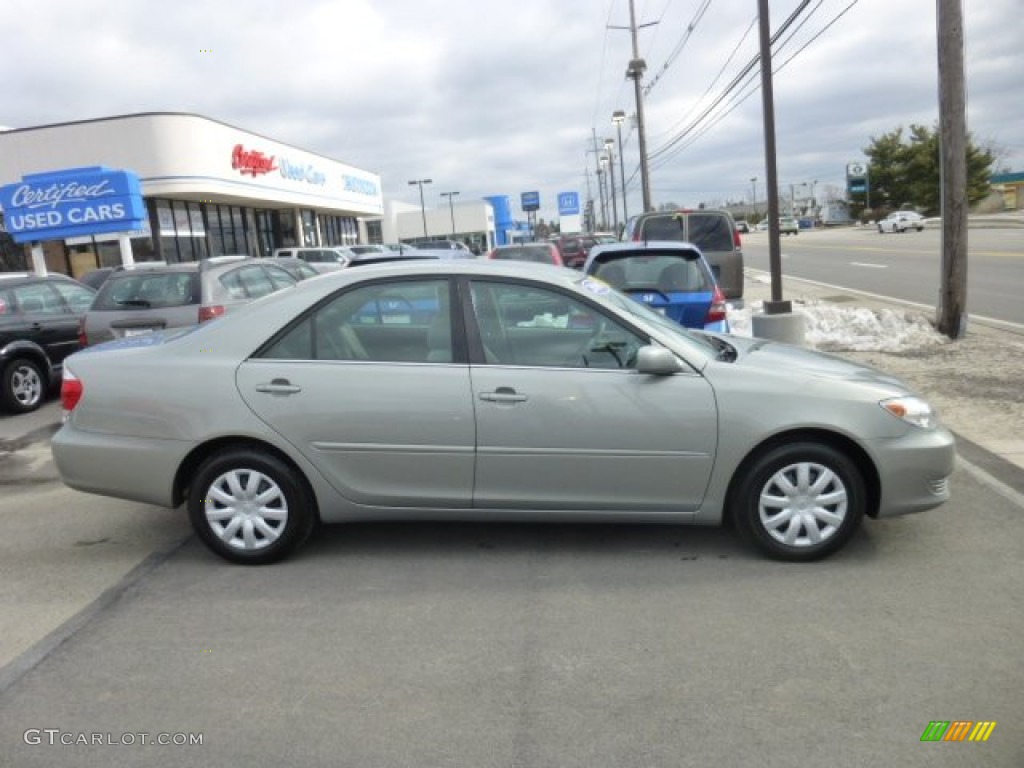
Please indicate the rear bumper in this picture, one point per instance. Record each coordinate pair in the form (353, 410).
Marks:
(138, 469)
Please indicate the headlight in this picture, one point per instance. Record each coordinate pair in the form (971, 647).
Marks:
(912, 410)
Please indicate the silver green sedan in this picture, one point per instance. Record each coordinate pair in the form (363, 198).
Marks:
(477, 390)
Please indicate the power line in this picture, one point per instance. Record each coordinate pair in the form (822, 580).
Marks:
(755, 83)
(670, 60)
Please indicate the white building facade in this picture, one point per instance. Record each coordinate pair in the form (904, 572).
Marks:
(210, 188)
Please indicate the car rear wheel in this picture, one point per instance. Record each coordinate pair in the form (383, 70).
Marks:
(249, 507)
(22, 386)
(800, 501)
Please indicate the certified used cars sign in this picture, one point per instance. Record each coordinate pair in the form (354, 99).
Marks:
(72, 203)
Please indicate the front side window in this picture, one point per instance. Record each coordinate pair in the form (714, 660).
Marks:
(79, 299)
(395, 321)
(532, 326)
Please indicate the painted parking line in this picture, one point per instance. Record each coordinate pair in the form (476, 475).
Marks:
(869, 266)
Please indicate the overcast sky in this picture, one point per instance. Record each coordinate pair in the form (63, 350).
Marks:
(493, 98)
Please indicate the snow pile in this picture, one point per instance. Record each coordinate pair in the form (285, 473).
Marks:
(835, 328)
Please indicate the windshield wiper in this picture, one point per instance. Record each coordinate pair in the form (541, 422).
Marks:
(134, 303)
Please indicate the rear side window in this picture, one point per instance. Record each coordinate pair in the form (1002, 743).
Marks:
(38, 298)
(148, 290)
(710, 232)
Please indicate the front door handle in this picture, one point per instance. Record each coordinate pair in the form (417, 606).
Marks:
(503, 395)
(279, 387)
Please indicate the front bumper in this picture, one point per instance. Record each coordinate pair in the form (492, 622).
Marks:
(914, 470)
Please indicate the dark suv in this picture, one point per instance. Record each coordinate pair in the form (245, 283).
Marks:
(38, 328)
(712, 231)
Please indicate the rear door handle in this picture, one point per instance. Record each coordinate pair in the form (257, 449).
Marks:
(503, 395)
(279, 387)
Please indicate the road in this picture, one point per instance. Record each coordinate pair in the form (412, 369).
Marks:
(906, 266)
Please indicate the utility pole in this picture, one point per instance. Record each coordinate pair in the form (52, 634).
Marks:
(778, 321)
(423, 205)
(451, 208)
(600, 179)
(609, 146)
(776, 305)
(635, 72)
(952, 310)
(619, 117)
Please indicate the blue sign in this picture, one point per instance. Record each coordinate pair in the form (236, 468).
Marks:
(568, 204)
(531, 201)
(72, 203)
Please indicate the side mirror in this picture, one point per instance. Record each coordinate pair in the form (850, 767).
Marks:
(657, 361)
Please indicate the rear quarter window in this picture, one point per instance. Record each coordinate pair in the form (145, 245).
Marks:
(148, 291)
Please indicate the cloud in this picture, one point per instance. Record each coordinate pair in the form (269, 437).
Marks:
(501, 102)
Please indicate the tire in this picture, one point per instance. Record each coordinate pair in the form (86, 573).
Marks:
(225, 516)
(22, 386)
(821, 519)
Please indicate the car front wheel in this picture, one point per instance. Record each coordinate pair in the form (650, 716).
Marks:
(22, 386)
(249, 507)
(800, 501)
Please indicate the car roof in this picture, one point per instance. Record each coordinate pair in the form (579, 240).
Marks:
(639, 247)
(12, 276)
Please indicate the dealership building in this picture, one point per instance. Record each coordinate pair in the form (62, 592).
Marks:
(209, 188)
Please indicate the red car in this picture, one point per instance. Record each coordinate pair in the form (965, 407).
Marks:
(575, 249)
(542, 253)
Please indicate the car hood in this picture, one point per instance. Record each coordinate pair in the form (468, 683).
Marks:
(774, 357)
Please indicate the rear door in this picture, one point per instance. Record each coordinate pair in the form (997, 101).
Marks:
(373, 388)
(40, 315)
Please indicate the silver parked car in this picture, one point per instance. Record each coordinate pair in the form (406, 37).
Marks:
(481, 390)
(322, 259)
(154, 297)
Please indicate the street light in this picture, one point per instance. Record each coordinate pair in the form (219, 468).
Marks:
(753, 194)
(451, 207)
(609, 148)
(619, 117)
(423, 206)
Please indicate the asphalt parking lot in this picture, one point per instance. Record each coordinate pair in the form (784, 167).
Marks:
(517, 645)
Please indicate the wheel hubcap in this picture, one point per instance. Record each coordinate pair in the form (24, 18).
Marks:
(26, 385)
(246, 510)
(803, 504)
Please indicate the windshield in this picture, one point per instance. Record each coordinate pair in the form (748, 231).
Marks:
(647, 317)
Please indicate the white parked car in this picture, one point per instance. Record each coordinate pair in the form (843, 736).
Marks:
(901, 221)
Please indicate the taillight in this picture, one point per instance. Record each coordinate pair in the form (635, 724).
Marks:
(736, 242)
(716, 312)
(211, 312)
(83, 340)
(71, 391)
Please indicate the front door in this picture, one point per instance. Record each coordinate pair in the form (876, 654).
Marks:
(564, 421)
